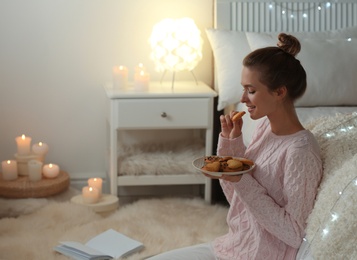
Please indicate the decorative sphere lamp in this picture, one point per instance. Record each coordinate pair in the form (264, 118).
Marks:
(176, 46)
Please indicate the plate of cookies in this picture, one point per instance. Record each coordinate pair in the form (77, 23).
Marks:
(218, 165)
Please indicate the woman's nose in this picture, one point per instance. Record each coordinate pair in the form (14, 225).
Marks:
(244, 97)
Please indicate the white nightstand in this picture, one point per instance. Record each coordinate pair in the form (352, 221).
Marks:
(187, 107)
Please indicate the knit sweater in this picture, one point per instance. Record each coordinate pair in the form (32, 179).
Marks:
(269, 209)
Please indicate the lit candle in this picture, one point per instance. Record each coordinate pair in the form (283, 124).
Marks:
(96, 183)
(34, 170)
(120, 77)
(23, 145)
(50, 170)
(40, 149)
(90, 194)
(141, 80)
(9, 170)
(139, 67)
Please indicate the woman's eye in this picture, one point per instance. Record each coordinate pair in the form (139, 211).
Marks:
(248, 90)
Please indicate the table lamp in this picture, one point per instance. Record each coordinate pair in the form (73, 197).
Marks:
(176, 46)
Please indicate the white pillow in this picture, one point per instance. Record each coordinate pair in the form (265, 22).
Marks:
(330, 66)
(230, 48)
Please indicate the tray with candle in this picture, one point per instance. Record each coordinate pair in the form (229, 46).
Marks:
(22, 187)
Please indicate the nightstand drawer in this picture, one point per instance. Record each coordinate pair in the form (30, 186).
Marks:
(163, 113)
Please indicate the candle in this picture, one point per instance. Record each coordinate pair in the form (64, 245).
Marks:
(141, 80)
(96, 183)
(120, 77)
(90, 194)
(139, 67)
(50, 170)
(40, 149)
(35, 170)
(9, 170)
(23, 145)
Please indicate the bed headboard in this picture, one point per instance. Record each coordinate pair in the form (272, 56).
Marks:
(273, 16)
(327, 30)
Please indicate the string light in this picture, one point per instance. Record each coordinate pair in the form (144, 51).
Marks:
(295, 11)
(334, 216)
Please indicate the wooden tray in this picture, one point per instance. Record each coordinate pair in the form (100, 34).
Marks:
(22, 187)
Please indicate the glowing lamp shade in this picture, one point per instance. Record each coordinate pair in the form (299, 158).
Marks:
(176, 45)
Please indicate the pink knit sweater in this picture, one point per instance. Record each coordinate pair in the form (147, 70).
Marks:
(268, 211)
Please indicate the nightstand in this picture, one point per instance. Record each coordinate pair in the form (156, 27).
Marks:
(157, 116)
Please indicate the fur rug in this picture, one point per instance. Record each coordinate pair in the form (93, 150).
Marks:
(160, 158)
(161, 224)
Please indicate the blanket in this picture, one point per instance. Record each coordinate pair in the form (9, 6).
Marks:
(332, 225)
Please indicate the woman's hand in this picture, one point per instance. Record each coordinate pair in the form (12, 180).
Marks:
(230, 129)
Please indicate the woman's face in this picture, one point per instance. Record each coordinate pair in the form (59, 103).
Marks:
(257, 97)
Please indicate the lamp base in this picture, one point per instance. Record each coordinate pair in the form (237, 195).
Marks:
(173, 78)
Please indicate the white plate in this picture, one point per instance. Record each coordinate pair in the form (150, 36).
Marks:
(200, 162)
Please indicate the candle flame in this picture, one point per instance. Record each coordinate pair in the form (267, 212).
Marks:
(40, 144)
(8, 162)
(121, 67)
(23, 137)
(50, 165)
(142, 73)
(90, 189)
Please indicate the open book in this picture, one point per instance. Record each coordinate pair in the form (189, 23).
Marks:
(107, 245)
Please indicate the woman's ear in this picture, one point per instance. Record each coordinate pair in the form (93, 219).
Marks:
(281, 92)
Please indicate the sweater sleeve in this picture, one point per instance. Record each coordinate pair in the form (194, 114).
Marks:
(230, 147)
(302, 173)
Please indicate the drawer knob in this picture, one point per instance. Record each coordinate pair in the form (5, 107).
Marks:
(163, 114)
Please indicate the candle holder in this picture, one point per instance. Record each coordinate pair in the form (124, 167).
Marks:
(22, 162)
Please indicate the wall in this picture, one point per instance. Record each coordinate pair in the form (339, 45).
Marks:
(55, 57)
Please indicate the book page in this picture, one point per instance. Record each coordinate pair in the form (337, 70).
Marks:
(78, 251)
(114, 244)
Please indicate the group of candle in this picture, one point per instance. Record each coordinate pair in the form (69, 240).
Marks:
(141, 77)
(29, 162)
(92, 193)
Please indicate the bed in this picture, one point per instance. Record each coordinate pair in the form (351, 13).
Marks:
(328, 34)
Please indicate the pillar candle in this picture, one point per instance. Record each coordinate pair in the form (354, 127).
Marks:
(90, 195)
(50, 170)
(120, 77)
(40, 149)
(23, 145)
(96, 183)
(35, 170)
(9, 170)
(141, 81)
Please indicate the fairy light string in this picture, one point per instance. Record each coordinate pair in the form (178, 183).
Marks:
(289, 10)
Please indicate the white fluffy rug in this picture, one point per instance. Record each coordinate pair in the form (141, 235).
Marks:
(161, 224)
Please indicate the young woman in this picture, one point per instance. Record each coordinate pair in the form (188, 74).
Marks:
(270, 205)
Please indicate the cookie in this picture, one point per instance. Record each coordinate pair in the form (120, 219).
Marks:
(247, 161)
(238, 116)
(234, 164)
(212, 167)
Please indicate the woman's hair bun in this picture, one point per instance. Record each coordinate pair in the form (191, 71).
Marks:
(289, 44)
